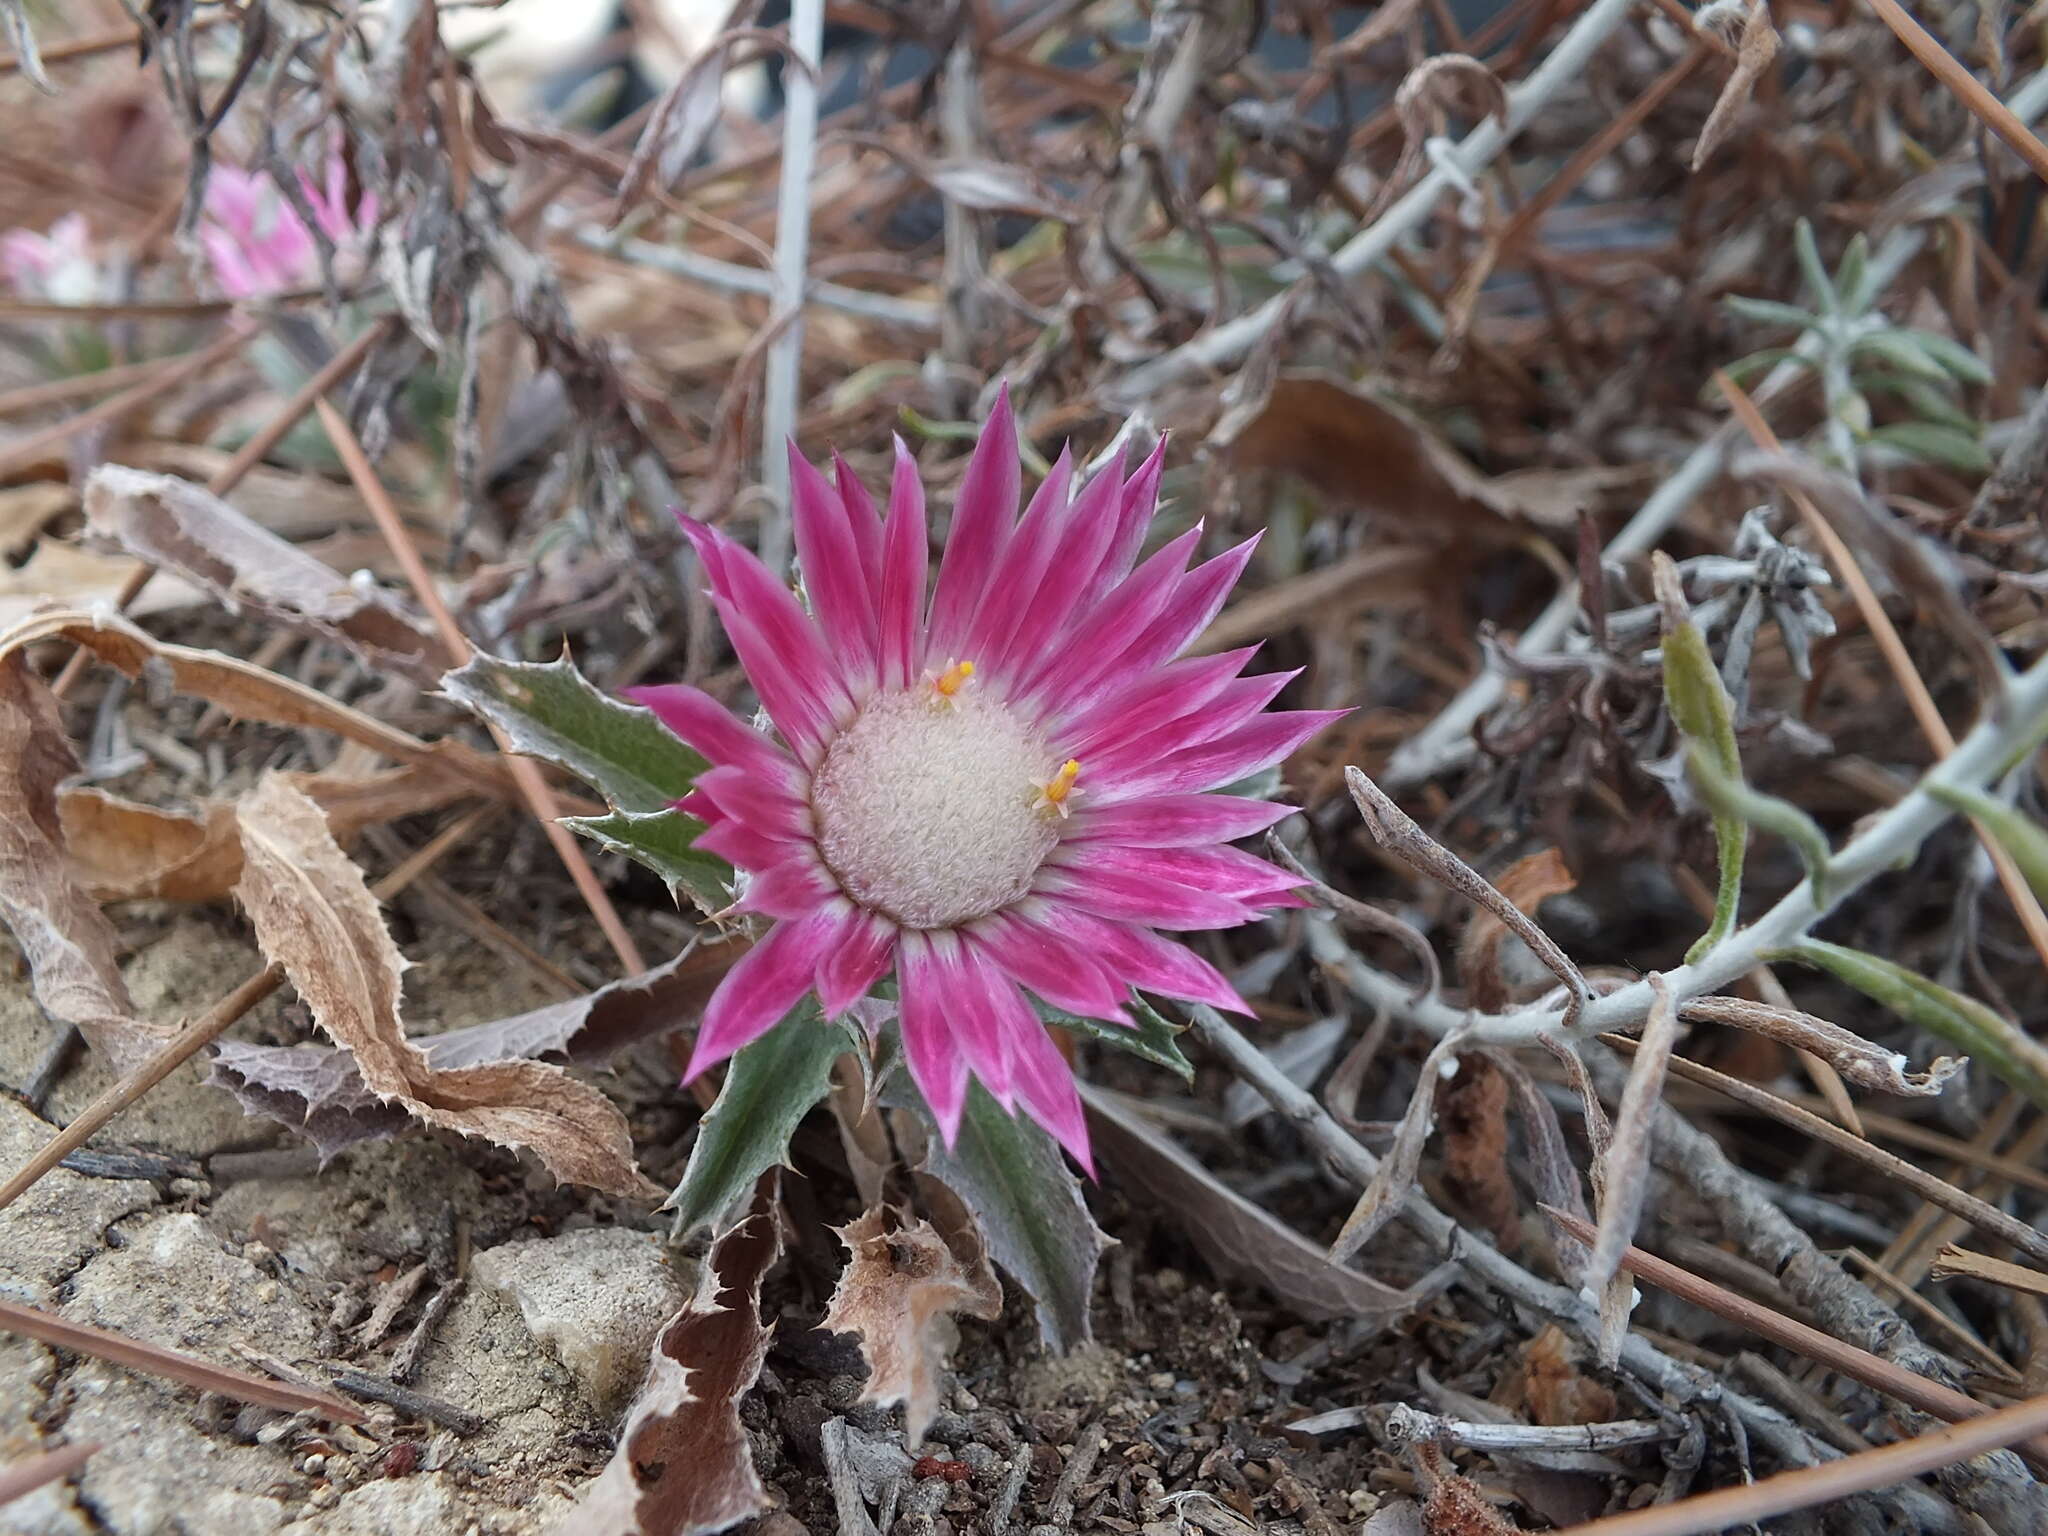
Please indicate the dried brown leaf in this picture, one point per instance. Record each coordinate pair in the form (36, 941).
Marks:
(68, 942)
(1551, 1171)
(62, 573)
(1528, 883)
(684, 1466)
(181, 527)
(1353, 443)
(898, 1293)
(1474, 1122)
(24, 509)
(1758, 47)
(1625, 1169)
(1242, 1240)
(315, 916)
(251, 693)
(317, 1090)
(1857, 1059)
(124, 851)
(1395, 1179)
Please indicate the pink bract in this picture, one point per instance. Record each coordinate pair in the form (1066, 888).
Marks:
(1006, 786)
(255, 240)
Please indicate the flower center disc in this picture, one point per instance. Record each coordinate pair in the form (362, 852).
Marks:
(924, 808)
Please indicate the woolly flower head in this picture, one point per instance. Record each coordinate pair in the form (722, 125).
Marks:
(255, 240)
(60, 267)
(1004, 787)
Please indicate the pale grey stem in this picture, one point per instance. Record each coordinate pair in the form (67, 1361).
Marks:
(1447, 739)
(1227, 344)
(783, 380)
(913, 314)
(964, 270)
(1625, 1170)
(1394, 830)
(1409, 1425)
(2013, 724)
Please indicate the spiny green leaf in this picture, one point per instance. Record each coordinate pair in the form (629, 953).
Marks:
(662, 840)
(550, 710)
(1964, 1022)
(1153, 1036)
(1028, 1201)
(770, 1085)
(2021, 836)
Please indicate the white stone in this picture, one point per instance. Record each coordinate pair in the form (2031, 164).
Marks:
(596, 1297)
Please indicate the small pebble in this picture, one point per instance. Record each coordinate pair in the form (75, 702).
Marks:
(1160, 1381)
(314, 1465)
(981, 1458)
(952, 1428)
(268, 1292)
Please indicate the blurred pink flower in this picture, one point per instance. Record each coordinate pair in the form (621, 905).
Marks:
(59, 266)
(1006, 788)
(256, 241)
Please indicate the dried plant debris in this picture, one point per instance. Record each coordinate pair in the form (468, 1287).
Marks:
(901, 1287)
(321, 1092)
(315, 916)
(684, 1466)
(70, 946)
(178, 526)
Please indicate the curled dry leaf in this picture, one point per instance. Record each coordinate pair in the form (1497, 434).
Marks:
(315, 916)
(318, 1091)
(1528, 883)
(1396, 1176)
(124, 851)
(1758, 47)
(899, 1291)
(63, 573)
(683, 1466)
(253, 693)
(178, 526)
(1242, 1240)
(1857, 1059)
(1474, 1122)
(68, 942)
(1354, 443)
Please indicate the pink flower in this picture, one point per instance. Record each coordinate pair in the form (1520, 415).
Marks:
(59, 266)
(1006, 787)
(256, 241)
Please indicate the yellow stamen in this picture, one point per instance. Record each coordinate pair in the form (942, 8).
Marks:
(949, 682)
(1054, 792)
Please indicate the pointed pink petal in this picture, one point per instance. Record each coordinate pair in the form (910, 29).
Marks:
(833, 573)
(1214, 871)
(758, 992)
(796, 677)
(863, 956)
(1109, 893)
(713, 731)
(744, 796)
(1084, 533)
(978, 994)
(983, 515)
(1147, 702)
(741, 845)
(862, 519)
(1196, 601)
(1136, 504)
(1044, 1081)
(1238, 703)
(1110, 628)
(906, 551)
(1032, 553)
(1226, 759)
(1141, 958)
(929, 1049)
(1174, 821)
(795, 886)
(1066, 977)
